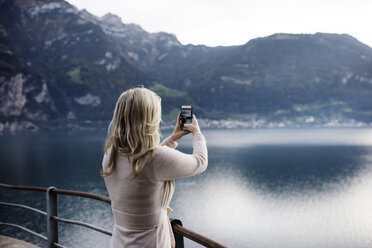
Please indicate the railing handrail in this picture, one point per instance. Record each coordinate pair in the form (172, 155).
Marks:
(101, 198)
(176, 224)
(97, 197)
(31, 188)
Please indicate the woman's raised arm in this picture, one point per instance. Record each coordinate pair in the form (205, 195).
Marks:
(170, 164)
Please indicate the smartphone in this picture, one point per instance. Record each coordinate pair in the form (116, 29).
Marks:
(186, 115)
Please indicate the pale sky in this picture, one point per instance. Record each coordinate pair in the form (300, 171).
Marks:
(235, 22)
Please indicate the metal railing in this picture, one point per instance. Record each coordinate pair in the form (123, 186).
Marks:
(52, 218)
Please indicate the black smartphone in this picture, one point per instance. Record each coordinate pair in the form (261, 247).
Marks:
(186, 115)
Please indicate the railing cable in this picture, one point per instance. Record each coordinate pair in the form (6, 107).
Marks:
(59, 245)
(23, 206)
(24, 229)
(80, 223)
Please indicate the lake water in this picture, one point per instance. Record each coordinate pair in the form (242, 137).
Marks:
(263, 188)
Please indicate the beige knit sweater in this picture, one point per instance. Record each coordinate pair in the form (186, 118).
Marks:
(140, 206)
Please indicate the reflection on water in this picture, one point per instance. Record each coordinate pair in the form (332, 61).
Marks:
(266, 188)
(240, 214)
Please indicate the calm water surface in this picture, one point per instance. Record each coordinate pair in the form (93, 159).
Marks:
(263, 188)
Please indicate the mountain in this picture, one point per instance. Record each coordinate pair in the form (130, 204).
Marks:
(61, 67)
(322, 75)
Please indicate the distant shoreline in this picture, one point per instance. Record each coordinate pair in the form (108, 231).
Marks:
(20, 127)
(264, 124)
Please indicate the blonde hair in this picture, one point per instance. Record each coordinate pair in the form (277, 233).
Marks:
(134, 129)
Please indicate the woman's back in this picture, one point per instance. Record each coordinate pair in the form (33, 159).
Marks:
(143, 203)
(140, 195)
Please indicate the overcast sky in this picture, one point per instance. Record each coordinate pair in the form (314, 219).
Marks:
(234, 22)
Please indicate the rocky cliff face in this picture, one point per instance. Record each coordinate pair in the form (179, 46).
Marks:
(57, 66)
(19, 95)
(13, 98)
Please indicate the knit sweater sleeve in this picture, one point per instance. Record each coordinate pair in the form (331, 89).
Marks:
(169, 164)
(169, 142)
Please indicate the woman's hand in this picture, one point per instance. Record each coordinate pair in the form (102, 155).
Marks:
(178, 132)
(193, 127)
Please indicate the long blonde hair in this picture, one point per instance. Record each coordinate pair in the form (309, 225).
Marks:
(134, 129)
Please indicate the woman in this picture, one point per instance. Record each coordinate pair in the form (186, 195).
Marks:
(139, 172)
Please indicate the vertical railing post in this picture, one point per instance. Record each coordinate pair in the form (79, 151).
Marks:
(52, 210)
(178, 237)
